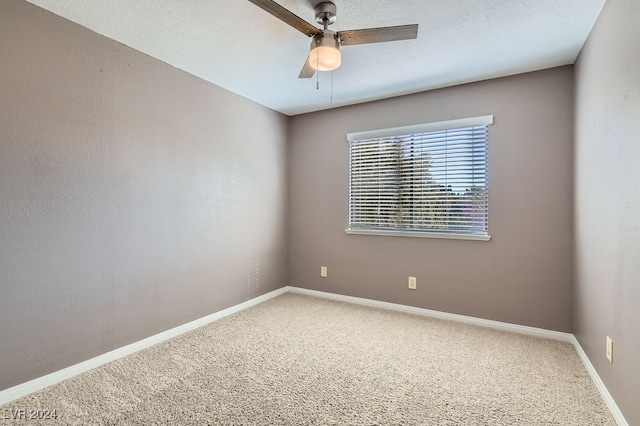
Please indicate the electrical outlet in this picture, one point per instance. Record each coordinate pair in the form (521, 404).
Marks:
(323, 271)
(412, 283)
(609, 349)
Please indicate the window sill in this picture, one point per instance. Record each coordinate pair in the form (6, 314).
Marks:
(418, 234)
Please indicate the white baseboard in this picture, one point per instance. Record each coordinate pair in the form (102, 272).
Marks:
(521, 329)
(604, 392)
(26, 388)
(23, 389)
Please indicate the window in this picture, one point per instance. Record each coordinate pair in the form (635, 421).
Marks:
(425, 180)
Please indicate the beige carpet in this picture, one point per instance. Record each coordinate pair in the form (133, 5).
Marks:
(298, 360)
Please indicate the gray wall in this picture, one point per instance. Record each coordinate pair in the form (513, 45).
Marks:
(523, 275)
(134, 197)
(607, 200)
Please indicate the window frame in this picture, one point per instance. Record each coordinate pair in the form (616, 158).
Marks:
(415, 129)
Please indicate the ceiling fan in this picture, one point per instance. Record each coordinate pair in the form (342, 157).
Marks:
(325, 44)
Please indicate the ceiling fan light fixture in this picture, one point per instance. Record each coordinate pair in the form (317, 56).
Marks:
(325, 52)
(325, 44)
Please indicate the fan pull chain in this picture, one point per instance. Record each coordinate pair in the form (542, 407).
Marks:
(331, 101)
(325, 24)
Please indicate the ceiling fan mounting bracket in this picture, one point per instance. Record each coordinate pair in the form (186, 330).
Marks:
(325, 11)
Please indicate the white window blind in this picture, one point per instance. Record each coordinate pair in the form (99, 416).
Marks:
(430, 179)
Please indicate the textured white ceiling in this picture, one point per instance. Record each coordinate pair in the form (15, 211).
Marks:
(236, 45)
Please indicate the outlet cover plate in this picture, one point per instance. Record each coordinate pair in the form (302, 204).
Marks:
(412, 283)
(609, 349)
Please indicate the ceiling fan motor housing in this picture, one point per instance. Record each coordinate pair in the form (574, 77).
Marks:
(326, 11)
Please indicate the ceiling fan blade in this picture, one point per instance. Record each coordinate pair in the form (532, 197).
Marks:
(307, 70)
(287, 17)
(378, 35)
